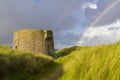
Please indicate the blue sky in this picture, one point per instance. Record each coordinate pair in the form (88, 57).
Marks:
(68, 19)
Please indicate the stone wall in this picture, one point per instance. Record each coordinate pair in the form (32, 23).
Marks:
(33, 40)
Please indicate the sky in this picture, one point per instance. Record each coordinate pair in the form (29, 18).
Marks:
(74, 22)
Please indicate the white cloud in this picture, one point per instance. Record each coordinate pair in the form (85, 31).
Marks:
(90, 5)
(101, 34)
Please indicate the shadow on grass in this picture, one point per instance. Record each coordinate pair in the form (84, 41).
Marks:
(66, 51)
(28, 67)
(55, 74)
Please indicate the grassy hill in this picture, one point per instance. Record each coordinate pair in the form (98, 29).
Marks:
(91, 63)
(76, 63)
(15, 65)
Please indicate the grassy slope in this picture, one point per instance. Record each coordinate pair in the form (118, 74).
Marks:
(91, 63)
(15, 65)
(77, 63)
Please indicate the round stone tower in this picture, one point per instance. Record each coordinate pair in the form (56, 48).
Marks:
(33, 40)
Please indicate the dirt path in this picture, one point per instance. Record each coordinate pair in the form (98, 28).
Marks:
(55, 74)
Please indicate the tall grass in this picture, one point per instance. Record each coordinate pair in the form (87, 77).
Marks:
(15, 65)
(76, 63)
(95, 63)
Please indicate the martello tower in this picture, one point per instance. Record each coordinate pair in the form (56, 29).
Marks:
(33, 40)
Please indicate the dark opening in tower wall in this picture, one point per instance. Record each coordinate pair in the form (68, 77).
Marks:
(16, 47)
(48, 46)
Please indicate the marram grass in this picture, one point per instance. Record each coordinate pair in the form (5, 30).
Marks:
(91, 63)
(76, 63)
(16, 65)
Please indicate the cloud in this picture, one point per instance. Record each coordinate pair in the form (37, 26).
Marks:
(56, 15)
(101, 34)
(65, 18)
(90, 5)
(112, 15)
(69, 38)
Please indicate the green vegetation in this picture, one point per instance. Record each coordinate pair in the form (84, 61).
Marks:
(76, 63)
(91, 63)
(15, 65)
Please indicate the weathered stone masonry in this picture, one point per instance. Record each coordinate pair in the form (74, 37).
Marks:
(33, 40)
